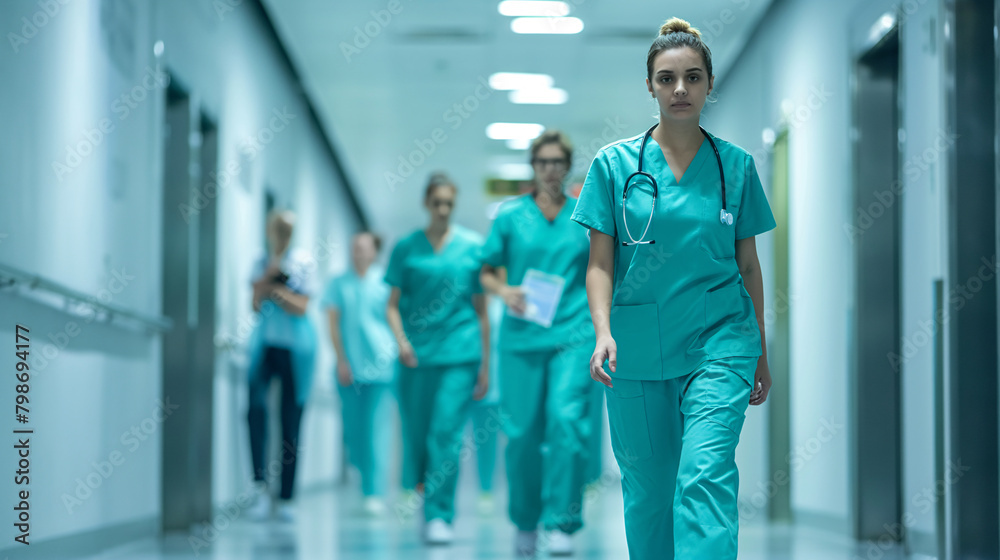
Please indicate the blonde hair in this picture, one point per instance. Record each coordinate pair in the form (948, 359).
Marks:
(674, 33)
(552, 136)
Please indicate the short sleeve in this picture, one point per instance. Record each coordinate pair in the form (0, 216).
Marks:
(477, 252)
(755, 215)
(493, 251)
(332, 297)
(594, 208)
(394, 270)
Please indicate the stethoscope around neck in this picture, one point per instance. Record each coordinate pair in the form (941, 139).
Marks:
(724, 216)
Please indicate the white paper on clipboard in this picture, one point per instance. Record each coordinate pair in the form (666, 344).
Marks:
(542, 293)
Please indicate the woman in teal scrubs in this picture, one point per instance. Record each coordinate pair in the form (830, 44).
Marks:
(366, 364)
(546, 391)
(438, 313)
(679, 321)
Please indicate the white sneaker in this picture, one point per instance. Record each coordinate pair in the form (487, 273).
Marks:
(260, 510)
(525, 544)
(486, 505)
(373, 506)
(438, 532)
(285, 511)
(560, 544)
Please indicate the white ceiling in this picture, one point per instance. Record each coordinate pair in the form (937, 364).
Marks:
(432, 54)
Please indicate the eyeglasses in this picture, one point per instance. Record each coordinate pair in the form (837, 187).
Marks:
(439, 202)
(558, 163)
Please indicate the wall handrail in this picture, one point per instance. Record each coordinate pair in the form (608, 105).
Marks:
(35, 287)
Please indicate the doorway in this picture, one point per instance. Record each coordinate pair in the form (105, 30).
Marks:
(876, 443)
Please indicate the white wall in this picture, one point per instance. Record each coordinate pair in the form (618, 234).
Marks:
(103, 215)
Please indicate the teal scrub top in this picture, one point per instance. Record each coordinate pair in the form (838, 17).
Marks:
(369, 345)
(680, 301)
(436, 295)
(523, 238)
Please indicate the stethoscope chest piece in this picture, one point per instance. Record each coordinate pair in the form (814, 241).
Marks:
(725, 217)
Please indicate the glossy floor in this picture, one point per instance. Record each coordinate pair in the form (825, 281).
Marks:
(330, 525)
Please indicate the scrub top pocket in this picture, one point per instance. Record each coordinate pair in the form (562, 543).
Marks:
(636, 330)
(730, 319)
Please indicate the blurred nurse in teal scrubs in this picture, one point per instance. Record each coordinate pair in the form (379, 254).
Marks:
(438, 313)
(678, 310)
(545, 344)
(366, 364)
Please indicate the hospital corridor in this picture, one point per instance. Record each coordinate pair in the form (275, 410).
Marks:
(500, 279)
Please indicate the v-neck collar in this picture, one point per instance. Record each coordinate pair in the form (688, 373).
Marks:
(534, 203)
(448, 238)
(693, 168)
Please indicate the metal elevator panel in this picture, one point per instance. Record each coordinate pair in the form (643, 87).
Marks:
(875, 382)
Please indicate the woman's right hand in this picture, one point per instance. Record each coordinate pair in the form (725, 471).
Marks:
(407, 355)
(606, 349)
(344, 375)
(513, 298)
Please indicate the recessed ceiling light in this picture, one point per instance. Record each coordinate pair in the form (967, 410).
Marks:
(555, 25)
(547, 96)
(513, 131)
(520, 8)
(518, 80)
(519, 143)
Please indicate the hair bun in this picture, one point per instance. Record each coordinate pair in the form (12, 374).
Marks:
(678, 25)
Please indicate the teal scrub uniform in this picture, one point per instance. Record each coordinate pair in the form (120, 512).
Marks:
(546, 390)
(486, 412)
(687, 342)
(371, 351)
(443, 328)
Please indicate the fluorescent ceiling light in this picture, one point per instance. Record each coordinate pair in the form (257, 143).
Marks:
(515, 171)
(519, 143)
(547, 96)
(514, 131)
(558, 25)
(519, 8)
(518, 80)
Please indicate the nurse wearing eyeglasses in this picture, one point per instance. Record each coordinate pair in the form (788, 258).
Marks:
(677, 303)
(547, 391)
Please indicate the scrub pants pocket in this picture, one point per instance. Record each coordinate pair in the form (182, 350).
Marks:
(628, 422)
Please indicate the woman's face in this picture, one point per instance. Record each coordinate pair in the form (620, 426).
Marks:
(680, 84)
(550, 166)
(363, 250)
(441, 202)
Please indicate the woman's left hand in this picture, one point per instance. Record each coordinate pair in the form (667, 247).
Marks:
(482, 382)
(762, 383)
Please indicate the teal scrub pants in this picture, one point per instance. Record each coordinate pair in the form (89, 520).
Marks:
(434, 406)
(484, 437)
(366, 432)
(675, 442)
(545, 396)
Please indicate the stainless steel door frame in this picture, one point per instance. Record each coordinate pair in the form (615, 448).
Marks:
(970, 474)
